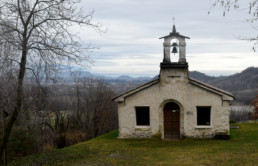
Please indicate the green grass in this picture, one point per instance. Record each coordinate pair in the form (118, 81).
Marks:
(241, 149)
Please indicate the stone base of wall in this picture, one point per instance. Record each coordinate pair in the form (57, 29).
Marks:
(196, 133)
(205, 133)
(138, 133)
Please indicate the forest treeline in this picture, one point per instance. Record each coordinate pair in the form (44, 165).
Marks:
(56, 114)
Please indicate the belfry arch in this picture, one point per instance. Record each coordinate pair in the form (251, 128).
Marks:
(167, 46)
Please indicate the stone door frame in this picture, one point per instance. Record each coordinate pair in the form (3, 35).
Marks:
(181, 116)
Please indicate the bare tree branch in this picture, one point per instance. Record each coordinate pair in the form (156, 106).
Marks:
(251, 8)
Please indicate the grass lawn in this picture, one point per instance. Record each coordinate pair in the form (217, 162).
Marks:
(241, 149)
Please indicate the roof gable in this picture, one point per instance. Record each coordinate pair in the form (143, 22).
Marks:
(121, 97)
(226, 95)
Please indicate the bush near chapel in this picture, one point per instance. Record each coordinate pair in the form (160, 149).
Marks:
(254, 114)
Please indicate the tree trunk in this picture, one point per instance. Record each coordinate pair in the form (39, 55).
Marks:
(17, 107)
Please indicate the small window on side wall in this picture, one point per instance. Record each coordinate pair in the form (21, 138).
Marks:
(142, 116)
(204, 116)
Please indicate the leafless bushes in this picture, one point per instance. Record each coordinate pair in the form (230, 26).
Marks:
(240, 113)
(254, 114)
(57, 115)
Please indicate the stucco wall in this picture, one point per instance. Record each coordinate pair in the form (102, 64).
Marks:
(176, 88)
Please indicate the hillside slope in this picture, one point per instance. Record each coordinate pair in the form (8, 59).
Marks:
(241, 149)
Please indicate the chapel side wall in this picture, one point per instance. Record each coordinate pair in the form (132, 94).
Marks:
(220, 111)
(127, 117)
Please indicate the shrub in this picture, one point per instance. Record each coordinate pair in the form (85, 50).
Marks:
(232, 121)
(157, 135)
(60, 141)
(75, 137)
(254, 114)
(222, 135)
(21, 143)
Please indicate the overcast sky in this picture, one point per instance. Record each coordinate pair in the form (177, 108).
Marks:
(131, 45)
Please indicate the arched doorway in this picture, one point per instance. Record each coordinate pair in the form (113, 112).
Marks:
(171, 121)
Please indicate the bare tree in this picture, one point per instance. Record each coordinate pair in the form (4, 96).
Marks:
(100, 111)
(254, 114)
(76, 99)
(39, 31)
(250, 6)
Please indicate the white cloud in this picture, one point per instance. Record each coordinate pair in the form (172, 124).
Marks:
(131, 45)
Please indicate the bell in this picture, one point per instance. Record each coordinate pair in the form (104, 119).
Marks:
(174, 50)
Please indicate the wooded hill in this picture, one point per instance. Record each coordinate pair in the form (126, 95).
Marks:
(242, 85)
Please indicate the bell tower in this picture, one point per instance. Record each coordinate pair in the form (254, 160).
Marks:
(174, 69)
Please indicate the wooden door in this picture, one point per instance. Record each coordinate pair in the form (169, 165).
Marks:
(171, 121)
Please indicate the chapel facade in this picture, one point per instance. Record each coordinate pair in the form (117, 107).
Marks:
(174, 105)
